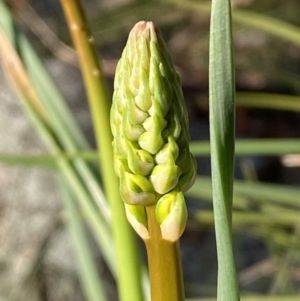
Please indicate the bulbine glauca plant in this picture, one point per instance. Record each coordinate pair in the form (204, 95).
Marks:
(151, 153)
(144, 155)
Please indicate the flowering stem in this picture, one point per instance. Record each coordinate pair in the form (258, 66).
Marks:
(151, 149)
(128, 280)
(164, 260)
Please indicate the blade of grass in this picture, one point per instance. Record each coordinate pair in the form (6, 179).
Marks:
(269, 101)
(273, 193)
(255, 298)
(42, 82)
(222, 123)
(62, 122)
(251, 147)
(268, 232)
(61, 119)
(15, 71)
(241, 218)
(7, 22)
(49, 160)
(278, 28)
(88, 273)
(254, 147)
(52, 99)
(127, 257)
(46, 161)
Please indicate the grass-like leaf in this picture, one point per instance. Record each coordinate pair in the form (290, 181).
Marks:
(260, 219)
(270, 193)
(17, 74)
(222, 123)
(255, 298)
(92, 286)
(269, 101)
(281, 29)
(251, 147)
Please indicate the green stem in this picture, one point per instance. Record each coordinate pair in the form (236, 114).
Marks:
(164, 261)
(129, 283)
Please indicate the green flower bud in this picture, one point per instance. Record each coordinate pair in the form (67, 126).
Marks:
(168, 154)
(152, 141)
(120, 146)
(171, 214)
(164, 177)
(174, 128)
(188, 178)
(150, 127)
(136, 116)
(143, 97)
(137, 217)
(131, 131)
(140, 162)
(136, 189)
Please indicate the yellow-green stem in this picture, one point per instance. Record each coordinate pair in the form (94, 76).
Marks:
(128, 280)
(164, 262)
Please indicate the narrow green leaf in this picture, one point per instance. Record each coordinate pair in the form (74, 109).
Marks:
(49, 160)
(30, 161)
(278, 28)
(269, 101)
(6, 22)
(17, 74)
(222, 122)
(61, 120)
(253, 147)
(255, 218)
(266, 192)
(255, 298)
(88, 274)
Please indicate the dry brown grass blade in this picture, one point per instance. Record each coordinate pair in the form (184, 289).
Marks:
(18, 76)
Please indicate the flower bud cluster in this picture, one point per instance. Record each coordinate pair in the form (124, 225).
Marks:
(150, 129)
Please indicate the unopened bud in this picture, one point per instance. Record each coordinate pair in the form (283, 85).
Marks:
(150, 127)
(171, 214)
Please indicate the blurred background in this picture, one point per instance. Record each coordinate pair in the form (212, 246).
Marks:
(36, 253)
